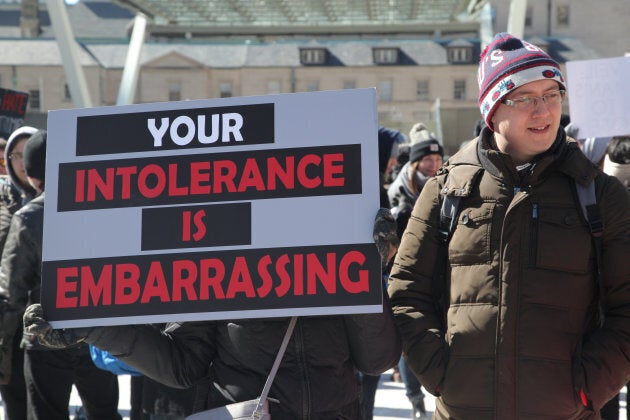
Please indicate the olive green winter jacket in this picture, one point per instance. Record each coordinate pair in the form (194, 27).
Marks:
(520, 341)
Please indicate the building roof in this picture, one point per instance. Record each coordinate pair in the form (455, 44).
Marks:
(101, 19)
(259, 14)
(38, 52)
(350, 53)
(112, 19)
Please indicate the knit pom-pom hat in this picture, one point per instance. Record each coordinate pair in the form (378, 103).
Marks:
(508, 63)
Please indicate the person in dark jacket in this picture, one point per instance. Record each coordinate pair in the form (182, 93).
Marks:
(617, 164)
(15, 191)
(49, 375)
(389, 142)
(513, 328)
(425, 158)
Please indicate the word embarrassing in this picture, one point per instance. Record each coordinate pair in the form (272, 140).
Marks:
(218, 281)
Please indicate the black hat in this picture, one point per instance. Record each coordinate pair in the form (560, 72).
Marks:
(35, 155)
(423, 148)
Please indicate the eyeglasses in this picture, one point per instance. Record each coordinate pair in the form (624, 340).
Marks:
(16, 156)
(529, 103)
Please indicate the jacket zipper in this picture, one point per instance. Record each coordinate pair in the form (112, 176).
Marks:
(516, 199)
(533, 246)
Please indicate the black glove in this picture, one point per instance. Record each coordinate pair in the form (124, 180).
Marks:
(384, 234)
(36, 326)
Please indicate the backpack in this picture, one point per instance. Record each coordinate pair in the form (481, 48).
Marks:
(449, 213)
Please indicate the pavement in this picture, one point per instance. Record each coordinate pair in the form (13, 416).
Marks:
(390, 402)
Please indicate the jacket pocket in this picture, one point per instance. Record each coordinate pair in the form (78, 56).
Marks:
(470, 243)
(562, 240)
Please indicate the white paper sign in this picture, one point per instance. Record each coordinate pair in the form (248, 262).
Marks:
(599, 96)
(212, 209)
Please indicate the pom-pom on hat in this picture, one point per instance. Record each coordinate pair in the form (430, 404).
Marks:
(508, 63)
(419, 132)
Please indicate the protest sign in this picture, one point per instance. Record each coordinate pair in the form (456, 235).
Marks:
(598, 95)
(212, 209)
(12, 111)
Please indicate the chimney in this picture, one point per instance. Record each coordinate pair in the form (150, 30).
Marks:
(29, 20)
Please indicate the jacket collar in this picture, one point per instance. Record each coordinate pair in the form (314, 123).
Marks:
(564, 156)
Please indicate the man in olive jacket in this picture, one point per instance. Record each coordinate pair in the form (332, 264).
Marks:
(517, 336)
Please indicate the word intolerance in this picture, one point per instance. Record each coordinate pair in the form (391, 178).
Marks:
(210, 177)
(199, 277)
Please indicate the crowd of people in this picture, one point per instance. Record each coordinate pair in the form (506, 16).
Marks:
(506, 284)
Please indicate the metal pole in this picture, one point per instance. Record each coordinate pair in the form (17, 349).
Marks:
(487, 31)
(129, 79)
(69, 54)
(516, 21)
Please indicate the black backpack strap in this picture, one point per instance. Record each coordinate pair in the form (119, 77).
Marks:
(463, 179)
(592, 213)
(448, 221)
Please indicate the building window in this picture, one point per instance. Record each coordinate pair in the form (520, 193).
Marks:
(34, 100)
(385, 55)
(529, 17)
(174, 92)
(562, 15)
(313, 56)
(459, 90)
(225, 90)
(349, 84)
(312, 86)
(459, 55)
(422, 90)
(67, 96)
(274, 87)
(385, 90)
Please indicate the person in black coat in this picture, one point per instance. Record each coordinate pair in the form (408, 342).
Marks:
(49, 375)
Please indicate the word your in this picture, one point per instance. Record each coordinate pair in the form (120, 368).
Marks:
(225, 124)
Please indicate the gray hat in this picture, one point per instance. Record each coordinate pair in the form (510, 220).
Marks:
(419, 132)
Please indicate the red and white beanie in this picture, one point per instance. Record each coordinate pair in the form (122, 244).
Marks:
(508, 63)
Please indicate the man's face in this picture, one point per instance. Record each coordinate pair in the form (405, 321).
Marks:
(17, 160)
(525, 133)
(429, 164)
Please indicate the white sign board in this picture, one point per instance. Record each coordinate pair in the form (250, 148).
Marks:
(598, 92)
(212, 209)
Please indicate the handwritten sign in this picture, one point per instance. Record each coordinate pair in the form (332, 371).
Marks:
(598, 92)
(12, 111)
